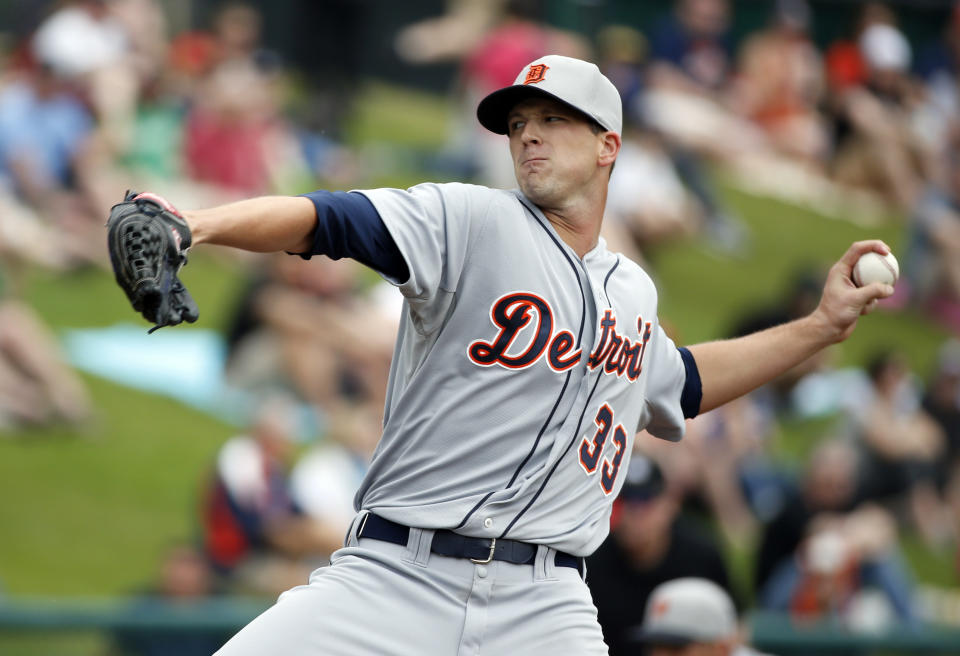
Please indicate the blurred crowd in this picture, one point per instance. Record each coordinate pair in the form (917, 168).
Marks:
(104, 95)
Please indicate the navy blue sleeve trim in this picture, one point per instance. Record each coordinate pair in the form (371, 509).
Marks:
(692, 393)
(348, 225)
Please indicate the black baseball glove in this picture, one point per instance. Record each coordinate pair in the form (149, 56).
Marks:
(148, 241)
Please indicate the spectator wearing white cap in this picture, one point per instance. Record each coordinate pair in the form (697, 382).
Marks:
(690, 617)
(882, 145)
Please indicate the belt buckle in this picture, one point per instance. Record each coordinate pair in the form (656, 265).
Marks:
(493, 547)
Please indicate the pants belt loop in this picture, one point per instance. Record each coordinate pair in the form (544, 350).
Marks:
(418, 546)
(543, 564)
(355, 527)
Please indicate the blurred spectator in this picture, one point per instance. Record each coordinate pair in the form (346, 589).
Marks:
(44, 130)
(131, 119)
(237, 29)
(689, 617)
(145, 26)
(185, 577)
(688, 78)
(85, 42)
(901, 444)
(722, 466)
(878, 144)
(451, 35)
(939, 65)
(234, 35)
(46, 144)
(236, 137)
(622, 53)
(229, 128)
(81, 37)
(933, 264)
(518, 35)
(731, 468)
(846, 570)
(844, 64)
(298, 327)
(326, 478)
(646, 201)
(37, 386)
(650, 542)
(826, 553)
(254, 535)
(658, 190)
(780, 82)
(691, 47)
(829, 486)
(941, 400)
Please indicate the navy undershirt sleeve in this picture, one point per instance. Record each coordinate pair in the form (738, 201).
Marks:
(348, 225)
(692, 393)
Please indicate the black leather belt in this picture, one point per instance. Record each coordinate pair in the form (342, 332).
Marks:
(448, 543)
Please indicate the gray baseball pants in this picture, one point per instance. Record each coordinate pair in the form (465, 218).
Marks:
(379, 599)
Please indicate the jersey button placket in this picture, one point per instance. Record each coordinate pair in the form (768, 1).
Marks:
(488, 522)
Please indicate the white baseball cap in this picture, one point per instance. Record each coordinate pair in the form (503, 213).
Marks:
(688, 610)
(574, 82)
(885, 48)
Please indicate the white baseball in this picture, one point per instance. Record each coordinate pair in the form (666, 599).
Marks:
(873, 267)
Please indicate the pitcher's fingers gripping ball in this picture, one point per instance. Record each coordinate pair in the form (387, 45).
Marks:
(148, 241)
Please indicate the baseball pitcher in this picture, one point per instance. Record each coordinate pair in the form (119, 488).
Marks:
(527, 359)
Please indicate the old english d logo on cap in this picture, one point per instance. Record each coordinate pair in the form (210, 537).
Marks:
(536, 73)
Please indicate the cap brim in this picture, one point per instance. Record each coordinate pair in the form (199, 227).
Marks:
(666, 638)
(641, 492)
(493, 110)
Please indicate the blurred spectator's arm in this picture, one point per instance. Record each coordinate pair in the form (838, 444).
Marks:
(894, 435)
(871, 530)
(297, 535)
(869, 116)
(945, 230)
(33, 187)
(292, 311)
(668, 76)
(447, 37)
(37, 363)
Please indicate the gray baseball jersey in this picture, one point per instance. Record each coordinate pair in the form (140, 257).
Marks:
(520, 375)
